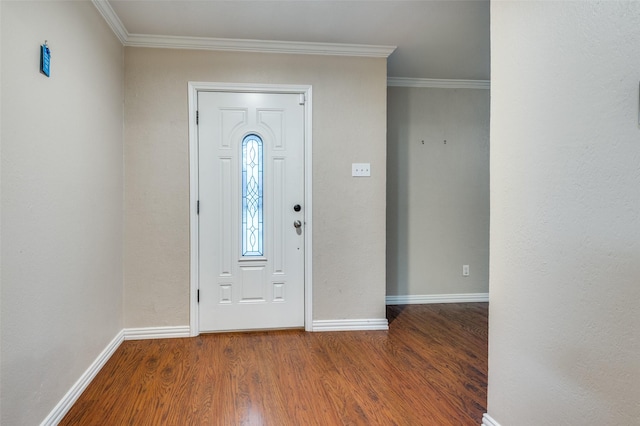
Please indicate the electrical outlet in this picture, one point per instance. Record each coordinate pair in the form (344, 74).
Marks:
(465, 270)
(361, 169)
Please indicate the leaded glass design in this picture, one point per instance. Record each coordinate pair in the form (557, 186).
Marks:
(252, 215)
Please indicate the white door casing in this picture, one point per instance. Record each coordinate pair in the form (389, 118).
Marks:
(270, 289)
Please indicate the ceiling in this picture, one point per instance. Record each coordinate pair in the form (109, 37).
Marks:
(447, 39)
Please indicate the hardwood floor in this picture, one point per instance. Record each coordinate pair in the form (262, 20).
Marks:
(430, 368)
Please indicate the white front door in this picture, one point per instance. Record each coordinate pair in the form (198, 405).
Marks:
(251, 212)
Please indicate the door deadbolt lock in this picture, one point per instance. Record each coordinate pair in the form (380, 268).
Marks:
(297, 208)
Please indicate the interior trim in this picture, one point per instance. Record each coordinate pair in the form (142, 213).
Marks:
(258, 46)
(488, 421)
(417, 299)
(351, 324)
(236, 45)
(112, 19)
(438, 83)
(64, 405)
(143, 333)
(67, 401)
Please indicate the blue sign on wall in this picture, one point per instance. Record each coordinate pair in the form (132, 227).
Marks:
(45, 60)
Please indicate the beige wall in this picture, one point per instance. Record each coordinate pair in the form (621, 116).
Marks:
(437, 194)
(61, 141)
(564, 339)
(349, 125)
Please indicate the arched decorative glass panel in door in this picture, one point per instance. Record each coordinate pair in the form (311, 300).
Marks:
(252, 198)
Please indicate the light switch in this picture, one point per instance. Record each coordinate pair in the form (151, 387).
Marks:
(361, 169)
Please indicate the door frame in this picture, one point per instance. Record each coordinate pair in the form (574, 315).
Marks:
(196, 87)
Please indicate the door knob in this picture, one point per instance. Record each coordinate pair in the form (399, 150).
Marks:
(297, 224)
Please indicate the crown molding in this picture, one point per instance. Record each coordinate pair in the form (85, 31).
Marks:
(258, 46)
(438, 83)
(112, 19)
(236, 45)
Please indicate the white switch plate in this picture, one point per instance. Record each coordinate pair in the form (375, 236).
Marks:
(361, 169)
(465, 270)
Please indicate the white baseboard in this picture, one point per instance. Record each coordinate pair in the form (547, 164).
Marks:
(61, 409)
(488, 421)
(437, 298)
(351, 324)
(157, 332)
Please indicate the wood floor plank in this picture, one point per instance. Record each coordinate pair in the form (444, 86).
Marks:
(430, 368)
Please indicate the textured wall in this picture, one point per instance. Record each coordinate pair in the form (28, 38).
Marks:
(565, 214)
(437, 193)
(61, 202)
(349, 125)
